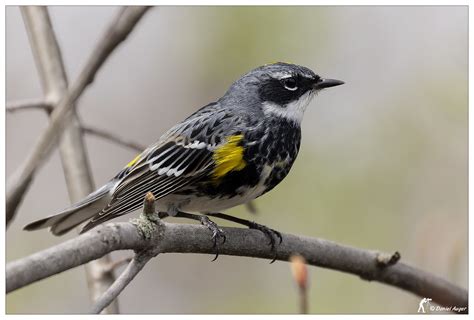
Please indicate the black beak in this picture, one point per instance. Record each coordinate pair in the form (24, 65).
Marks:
(327, 83)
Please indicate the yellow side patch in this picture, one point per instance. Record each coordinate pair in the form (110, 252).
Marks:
(229, 157)
(131, 163)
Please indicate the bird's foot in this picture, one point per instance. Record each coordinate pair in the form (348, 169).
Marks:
(271, 234)
(217, 233)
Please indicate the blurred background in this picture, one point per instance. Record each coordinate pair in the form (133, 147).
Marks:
(383, 163)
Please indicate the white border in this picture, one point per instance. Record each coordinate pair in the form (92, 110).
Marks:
(216, 2)
(241, 2)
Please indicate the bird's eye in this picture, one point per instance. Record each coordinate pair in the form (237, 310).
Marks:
(290, 84)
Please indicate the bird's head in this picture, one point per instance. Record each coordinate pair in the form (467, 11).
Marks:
(280, 89)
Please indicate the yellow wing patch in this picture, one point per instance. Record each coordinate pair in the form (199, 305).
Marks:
(131, 163)
(229, 157)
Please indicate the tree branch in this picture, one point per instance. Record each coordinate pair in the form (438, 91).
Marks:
(113, 138)
(53, 78)
(114, 265)
(30, 104)
(117, 32)
(138, 262)
(42, 104)
(184, 238)
(133, 268)
(72, 149)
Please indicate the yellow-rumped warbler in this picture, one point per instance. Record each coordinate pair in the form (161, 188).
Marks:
(225, 154)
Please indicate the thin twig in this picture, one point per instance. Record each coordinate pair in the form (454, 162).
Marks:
(138, 262)
(42, 104)
(113, 138)
(186, 238)
(30, 104)
(113, 265)
(300, 275)
(72, 149)
(303, 292)
(122, 281)
(117, 32)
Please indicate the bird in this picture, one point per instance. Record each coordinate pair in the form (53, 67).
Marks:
(225, 154)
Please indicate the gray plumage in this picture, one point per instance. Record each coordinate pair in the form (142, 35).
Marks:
(180, 168)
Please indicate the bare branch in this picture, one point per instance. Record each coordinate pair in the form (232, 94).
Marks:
(30, 104)
(117, 32)
(184, 238)
(133, 268)
(113, 138)
(300, 275)
(113, 265)
(72, 149)
(54, 82)
(41, 104)
(137, 263)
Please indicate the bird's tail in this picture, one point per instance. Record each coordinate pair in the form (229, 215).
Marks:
(79, 212)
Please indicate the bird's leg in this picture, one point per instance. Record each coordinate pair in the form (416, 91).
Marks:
(205, 221)
(163, 215)
(270, 233)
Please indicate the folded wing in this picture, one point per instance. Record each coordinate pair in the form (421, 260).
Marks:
(162, 169)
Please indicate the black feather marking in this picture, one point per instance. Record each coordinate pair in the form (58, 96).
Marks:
(129, 194)
(162, 150)
(185, 161)
(196, 161)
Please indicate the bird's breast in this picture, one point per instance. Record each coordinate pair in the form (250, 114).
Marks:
(269, 152)
(276, 148)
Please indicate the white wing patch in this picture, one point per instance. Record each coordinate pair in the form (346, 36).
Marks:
(175, 162)
(196, 145)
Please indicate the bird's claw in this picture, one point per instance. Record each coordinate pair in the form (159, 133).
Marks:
(271, 234)
(217, 233)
